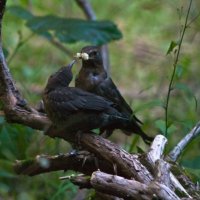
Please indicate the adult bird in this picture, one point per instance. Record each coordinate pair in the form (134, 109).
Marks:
(93, 78)
(73, 109)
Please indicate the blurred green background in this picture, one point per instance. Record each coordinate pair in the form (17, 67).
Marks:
(138, 64)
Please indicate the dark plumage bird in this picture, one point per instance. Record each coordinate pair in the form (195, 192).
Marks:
(73, 109)
(93, 78)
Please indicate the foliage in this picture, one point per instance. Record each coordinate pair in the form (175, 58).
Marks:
(69, 30)
(139, 67)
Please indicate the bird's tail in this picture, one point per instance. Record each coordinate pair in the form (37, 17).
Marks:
(135, 128)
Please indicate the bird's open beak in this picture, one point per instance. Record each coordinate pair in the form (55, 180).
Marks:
(71, 64)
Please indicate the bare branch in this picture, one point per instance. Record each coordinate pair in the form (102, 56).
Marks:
(157, 147)
(61, 47)
(179, 148)
(154, 154)
(82, 162)
(162, 171)
(130, 189)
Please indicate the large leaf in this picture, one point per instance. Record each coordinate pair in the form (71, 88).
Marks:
(20, 12)
(73, 30)
(69, 30)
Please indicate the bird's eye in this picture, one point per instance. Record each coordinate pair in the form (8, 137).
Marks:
(93, 53)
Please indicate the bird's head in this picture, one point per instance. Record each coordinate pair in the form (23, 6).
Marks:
(90, 54)
(61, 78)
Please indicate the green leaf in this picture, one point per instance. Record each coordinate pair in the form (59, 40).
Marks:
(172, 45)
(161, 125)
(20, 12)
(69, 30)
(171, 129)
(74, 30)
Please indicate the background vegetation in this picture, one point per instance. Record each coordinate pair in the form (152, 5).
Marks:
(139, 66)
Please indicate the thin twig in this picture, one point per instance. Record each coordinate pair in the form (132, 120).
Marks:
(61, 47)
(87, 8)
(170, 88)
(20, 43)
(179, 148)
(194, 19)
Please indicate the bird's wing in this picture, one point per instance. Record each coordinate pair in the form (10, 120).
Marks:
(108, 89)
(74, 99)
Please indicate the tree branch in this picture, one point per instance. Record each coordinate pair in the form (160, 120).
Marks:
(83, 162)
(61, 47)
(179, 148)
(154, 156)
(130, 189)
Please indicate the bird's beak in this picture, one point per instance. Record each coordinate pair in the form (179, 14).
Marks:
(71, 64)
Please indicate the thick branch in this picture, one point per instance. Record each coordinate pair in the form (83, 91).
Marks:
(14, 106)
(154, 155)
(127, 164)
(82, 162)
(179, 148)
(130, 189)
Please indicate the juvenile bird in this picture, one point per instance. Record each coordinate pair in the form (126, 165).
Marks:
(93, 78)
(74, 109)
